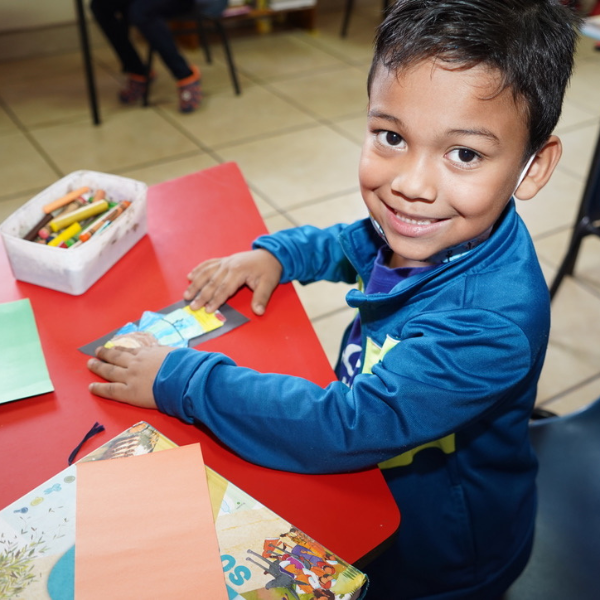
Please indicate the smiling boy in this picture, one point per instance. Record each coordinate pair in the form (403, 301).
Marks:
(438, 372)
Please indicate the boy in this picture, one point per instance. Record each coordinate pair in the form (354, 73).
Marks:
(438, 373)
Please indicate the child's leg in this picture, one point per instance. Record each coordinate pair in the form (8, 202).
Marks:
(111, 16)
(149, 17)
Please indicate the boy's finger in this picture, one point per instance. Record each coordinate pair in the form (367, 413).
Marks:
(116, 355)
(110, 390)
(106, 370)
(262, 295)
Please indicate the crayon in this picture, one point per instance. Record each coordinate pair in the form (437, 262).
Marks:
(33, 232)
(99, 195)
(80, 214)
(60, 202)
(65, 234)
(109, 217)
(44, 232)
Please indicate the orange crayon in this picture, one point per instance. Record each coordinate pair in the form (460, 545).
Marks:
(65, 199)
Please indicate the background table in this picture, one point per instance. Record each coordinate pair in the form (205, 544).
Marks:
(190, 219)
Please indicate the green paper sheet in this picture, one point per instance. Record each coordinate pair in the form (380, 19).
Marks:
(23, 370)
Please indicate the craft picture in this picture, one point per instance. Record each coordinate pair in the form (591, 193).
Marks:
(174, 329)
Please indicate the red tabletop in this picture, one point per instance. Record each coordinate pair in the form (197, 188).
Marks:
(207, 214)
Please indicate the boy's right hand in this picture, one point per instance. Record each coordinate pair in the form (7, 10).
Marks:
(214, 281)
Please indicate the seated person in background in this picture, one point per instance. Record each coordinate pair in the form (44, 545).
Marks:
(438, 372)
(115, 17)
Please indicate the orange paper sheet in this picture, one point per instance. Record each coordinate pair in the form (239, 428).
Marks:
(144, 529)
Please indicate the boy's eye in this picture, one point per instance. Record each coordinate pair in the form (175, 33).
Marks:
(464, 156)
(389, 138)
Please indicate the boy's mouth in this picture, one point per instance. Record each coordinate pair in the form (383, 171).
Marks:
(414, 221)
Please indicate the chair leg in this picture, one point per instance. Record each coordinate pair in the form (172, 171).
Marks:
(346, 20)
(204, 41)
(148, 80)
(232, 70)
(584, 228)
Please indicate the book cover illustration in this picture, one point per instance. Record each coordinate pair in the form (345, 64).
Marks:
(263, 556)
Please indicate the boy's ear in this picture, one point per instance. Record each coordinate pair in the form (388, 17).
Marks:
(540, 169)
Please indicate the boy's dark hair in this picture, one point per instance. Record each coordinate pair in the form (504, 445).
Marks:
(529, 42)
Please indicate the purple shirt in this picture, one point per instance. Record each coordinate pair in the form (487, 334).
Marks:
(383, 279)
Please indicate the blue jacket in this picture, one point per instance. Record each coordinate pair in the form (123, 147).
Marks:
(451, 360)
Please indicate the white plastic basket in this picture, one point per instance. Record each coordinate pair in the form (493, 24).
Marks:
(74, 270)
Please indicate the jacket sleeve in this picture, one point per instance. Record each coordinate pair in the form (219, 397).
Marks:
(435, 381)
(309, 254)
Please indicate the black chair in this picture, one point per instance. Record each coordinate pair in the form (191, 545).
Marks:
(348, 12)
(199, 21)
(565, 563)
(585, 223)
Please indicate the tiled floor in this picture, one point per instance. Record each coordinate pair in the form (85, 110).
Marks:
(296, 132)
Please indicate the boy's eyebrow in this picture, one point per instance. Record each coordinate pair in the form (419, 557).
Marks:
(482, 132)
(486, 133)
(376, 114)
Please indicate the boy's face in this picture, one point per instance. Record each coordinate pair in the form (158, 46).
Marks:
(442, 156)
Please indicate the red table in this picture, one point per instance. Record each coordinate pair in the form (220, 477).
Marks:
(210, 213)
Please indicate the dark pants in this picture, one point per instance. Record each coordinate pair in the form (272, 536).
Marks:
(115, 18)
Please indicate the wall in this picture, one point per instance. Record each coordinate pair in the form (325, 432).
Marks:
(27, 14)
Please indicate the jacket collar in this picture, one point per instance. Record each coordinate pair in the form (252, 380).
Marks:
(361, 243)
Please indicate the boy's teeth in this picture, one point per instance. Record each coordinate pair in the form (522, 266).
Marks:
(414, 221)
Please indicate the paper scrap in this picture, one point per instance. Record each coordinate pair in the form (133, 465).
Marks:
(23, 370)
(145, 529)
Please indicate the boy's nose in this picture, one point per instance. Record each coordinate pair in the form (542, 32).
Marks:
(414, 179)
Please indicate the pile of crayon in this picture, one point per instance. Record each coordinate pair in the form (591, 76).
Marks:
(74, 218)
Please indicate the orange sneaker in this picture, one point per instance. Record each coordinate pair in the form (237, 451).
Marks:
(135, 88)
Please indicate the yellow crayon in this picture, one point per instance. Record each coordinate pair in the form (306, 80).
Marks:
(95, 208)
(65, 234)
(65, 199)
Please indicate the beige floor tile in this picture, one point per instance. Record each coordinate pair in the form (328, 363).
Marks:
(330, 331)
(264, 208)
(584, 85)
(298, 167)
(7, 125)
(346, 208)
(354, 128)
(44, 65)
(342, 92)
(23, 44)
(552, 250)
(356, 49)
(281, 55)
(124, 141)
(8, 207)
(222, 119)
(585, 50)
(57, 97)
(573, 353)
(578, 148)
(576, 399)
(164, 171)
(23, 168)
(573, 115)
(322, 297)
(277, 222)
(554, 206)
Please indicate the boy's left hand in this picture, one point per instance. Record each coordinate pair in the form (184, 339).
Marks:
(130, 373)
